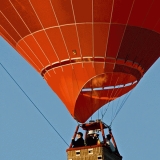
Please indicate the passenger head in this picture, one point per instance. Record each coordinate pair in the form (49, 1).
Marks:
(91, 133)
(79, 134)
(108, 136)
(96, 135)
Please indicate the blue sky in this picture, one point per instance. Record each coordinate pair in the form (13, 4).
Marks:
(26, 135)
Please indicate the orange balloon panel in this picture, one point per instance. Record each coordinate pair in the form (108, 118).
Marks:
(89, 52)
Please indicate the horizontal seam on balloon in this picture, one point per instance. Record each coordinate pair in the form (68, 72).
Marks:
(70, 24)
(55, 65)
(85, 23)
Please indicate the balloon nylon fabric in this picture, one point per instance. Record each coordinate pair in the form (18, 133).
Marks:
(76, 43)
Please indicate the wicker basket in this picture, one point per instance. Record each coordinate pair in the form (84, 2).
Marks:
(95, 153)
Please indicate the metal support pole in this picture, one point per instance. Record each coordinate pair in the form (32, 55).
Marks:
(74, 135)
(113, 140)
(103, 135)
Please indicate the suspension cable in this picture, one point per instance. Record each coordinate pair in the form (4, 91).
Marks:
(34, 105)
(119, 108)
(116, 108)
(122, 104)
(108, 100)
(105, 110)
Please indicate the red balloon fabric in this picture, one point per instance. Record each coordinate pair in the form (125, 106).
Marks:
(89, 52)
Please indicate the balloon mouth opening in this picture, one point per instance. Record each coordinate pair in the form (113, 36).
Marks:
(108, 87)
(105, 82)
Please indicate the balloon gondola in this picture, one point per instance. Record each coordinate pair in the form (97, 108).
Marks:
(96, 151)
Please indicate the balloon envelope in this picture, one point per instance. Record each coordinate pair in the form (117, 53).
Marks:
(89, 52)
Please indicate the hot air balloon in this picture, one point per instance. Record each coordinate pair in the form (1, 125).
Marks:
(89, 52)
